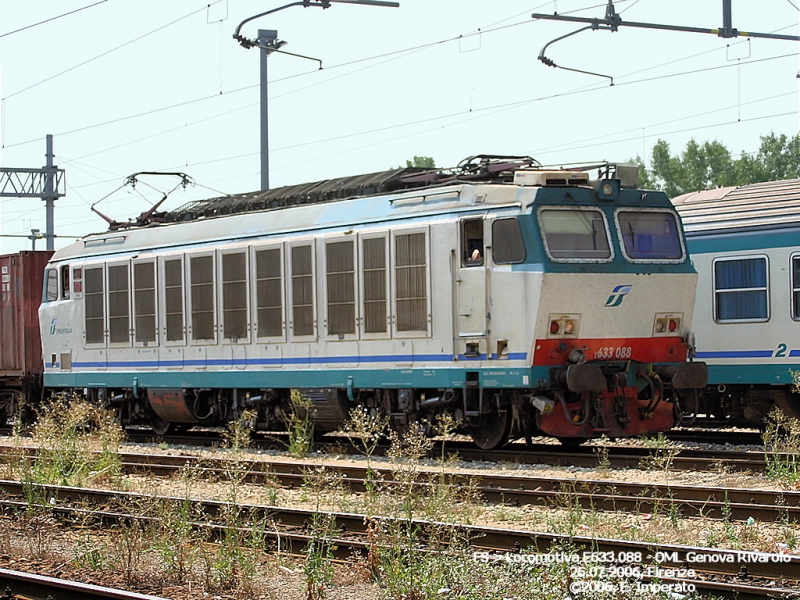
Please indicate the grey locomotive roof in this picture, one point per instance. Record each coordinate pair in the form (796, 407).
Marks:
(761, 205)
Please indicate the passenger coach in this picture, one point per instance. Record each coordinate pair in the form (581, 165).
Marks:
(744, 244)
(515, 299)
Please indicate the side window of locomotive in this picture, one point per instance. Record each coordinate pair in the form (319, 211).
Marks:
(575, 234)
(202, 296)
(507, 244)
(411, 282)
(119, 314)
(65, 282)
(302, 290)
(51, 285)
(650, 235)
(234, 296)
(796, 287)
(173, 299)
(472, 242)
(93, 305)
(144, 302)
(269, 290)
(340, 283)
(375, 292)
(741, 289)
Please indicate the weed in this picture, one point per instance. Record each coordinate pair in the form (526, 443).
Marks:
(365, 430)
(300, 424)
(237, 433)
(67, 430)
(661, 456)
(781, 438)
(603, 462)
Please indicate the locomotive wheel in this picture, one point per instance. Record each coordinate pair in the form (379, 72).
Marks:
(160, 426)
(492, 430)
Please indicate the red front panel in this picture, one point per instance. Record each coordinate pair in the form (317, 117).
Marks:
(554, 352)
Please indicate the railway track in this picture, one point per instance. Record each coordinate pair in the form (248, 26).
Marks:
(711, 502)
(728, 573)
(591, 494)
(28, 586)
(688, 459)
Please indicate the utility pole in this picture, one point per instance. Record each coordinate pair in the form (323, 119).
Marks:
(48, 184)
(268, 42)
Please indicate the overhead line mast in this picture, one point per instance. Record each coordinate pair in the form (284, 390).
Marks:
(47, 183)
(613, 21)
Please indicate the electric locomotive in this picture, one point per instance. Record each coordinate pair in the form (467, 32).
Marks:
(516, 299)
(743, 241)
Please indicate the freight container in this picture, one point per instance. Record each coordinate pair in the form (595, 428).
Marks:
(21, 367)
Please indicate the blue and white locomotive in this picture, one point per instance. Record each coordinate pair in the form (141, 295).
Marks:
(518, 300)
(745, 244)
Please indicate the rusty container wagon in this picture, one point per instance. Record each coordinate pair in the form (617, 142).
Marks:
(21, 365)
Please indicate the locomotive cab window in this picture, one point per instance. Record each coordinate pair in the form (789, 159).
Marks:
(741, 289)
(65, 282)
(51, 285)
(650, 236)
(575, 234)
(472, 242)
(507, 244)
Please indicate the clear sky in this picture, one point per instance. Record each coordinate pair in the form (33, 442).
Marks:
(145, 85)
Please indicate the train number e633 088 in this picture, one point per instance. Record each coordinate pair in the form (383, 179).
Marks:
(608, 352)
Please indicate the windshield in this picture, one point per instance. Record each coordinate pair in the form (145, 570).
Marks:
(575, 234)
(650, 235)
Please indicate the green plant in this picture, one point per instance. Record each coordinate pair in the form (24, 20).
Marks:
(77, 443)
(781, 438)
(300, 424)
(237, 432)
(365, 429)
(662, 454)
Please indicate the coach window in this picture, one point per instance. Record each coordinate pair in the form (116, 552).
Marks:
(796, 287)
(234, 297)
(201, 269)
(411, 282)
(472, 242)
(302, 290)
(93, 305)
(340, 285)
(144, 302)
(741, 289)
(173, 299)
(65, 282)
(119, 314)
(269, 292)
(51, 285)
(507, 244)
(575, 235)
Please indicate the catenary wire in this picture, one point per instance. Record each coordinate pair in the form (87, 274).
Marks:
(403, 52)
(72, 12)
(107, 52)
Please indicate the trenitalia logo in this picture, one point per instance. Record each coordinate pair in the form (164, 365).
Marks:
(618, 295)
(54, 330)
